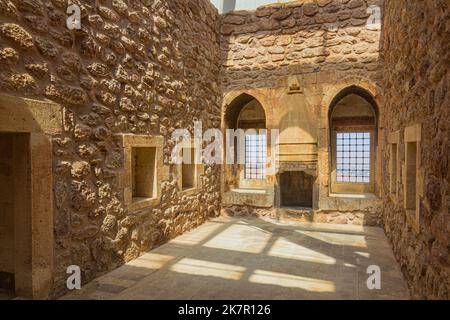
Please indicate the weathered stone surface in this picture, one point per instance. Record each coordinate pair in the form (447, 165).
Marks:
(46, 48)
(17, 35)
(19, 82)
(120, 6)
(9, 56)
(130, 67)
(67, 94)
(80, 169)
(284, 46)
(8, 9)
(150, 67)
(37, 23)
(415, 38)
(32, 6)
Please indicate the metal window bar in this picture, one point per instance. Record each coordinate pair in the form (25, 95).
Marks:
(353, 157)
(255, 156)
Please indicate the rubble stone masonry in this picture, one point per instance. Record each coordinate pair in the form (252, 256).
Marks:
(140, 67)
(147, 67)
(416, 91)
(323, 47)
(260, 48)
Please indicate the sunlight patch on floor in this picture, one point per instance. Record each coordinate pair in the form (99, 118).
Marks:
(195, 237)
(208, 269)
(362, 254)
(237, 258)
(230, 239)
(283, 248)
(291, 281)
(151, 261)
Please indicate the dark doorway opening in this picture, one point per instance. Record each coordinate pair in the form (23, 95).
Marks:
(296, 189)
(15, 212)
(7, 234)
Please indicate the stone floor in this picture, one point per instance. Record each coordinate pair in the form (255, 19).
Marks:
(237, 258)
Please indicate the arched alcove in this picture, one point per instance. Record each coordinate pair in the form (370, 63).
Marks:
(353, 120)
(247, 117)
(252, 116)
(244, 108)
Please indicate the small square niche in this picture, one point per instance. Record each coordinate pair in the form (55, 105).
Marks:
(188, 169)
(413, 175)
(143, 173)
(143, 170)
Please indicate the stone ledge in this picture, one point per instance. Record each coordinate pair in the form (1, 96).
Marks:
(142, 203)
(262, 198)
(365, 196)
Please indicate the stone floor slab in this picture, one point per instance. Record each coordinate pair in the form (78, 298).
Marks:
(255, 258)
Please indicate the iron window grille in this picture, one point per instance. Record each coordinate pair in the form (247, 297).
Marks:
(255, 156)
(353, 157)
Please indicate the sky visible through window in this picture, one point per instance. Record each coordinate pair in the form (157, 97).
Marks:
(255, 156)
(353, 157)
(242, 4)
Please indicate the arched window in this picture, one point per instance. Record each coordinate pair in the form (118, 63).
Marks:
(252, 119)
(353, 128)
(247, 114)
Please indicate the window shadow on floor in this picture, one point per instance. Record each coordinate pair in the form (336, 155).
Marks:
(257, 259)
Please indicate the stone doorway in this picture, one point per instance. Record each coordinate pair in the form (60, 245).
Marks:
(6, 214)
(26, 196)
(296, 189)
(25, 215)
(15, 210)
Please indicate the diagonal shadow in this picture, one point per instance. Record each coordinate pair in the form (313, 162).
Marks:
(200, 268)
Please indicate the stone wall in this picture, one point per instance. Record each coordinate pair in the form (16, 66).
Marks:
(143, 67)
(416, 90)
(302, 37)
(319, 48)
(146, 67)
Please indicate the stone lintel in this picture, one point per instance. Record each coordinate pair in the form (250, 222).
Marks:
(27, 115)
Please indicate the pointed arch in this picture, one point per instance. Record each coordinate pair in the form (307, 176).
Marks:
(353, 119)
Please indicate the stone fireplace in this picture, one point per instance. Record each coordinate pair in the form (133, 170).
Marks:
(296, 184)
